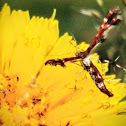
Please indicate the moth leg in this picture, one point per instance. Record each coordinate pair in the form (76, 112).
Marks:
(76, 78)
(97, 59)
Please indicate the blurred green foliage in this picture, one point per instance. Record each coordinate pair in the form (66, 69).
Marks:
(83, 27)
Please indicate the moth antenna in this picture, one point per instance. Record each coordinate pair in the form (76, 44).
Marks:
(113, 63)
(117, 65)
(117, 58)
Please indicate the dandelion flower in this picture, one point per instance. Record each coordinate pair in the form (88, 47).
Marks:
(32, 94)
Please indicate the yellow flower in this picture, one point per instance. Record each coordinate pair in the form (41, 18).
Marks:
(32, 94)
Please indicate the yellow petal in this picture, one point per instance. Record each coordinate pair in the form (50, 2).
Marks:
(45, 95)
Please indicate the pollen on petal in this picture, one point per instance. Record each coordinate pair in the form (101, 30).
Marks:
(35, 94)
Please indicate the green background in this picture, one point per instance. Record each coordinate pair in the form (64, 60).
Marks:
(81, 26)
